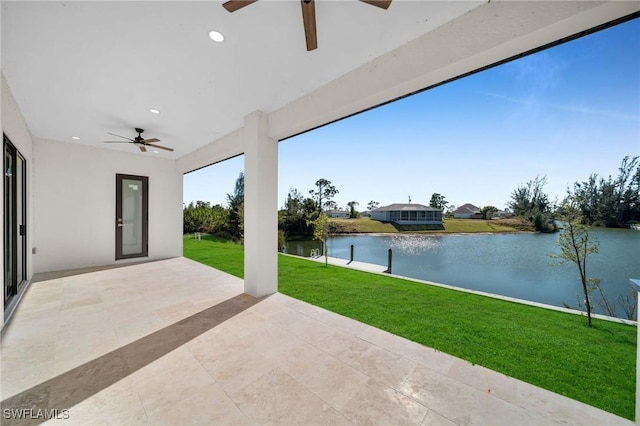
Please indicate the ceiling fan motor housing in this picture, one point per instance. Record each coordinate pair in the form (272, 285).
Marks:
(139, 138)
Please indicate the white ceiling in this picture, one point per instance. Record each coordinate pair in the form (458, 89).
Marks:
(86, 68)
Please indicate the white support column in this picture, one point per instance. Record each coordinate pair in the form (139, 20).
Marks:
(635, 284)
(260, 207)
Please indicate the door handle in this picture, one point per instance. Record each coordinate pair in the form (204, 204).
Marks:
(121, 225)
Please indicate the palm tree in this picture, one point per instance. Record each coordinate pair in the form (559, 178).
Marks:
(352, 209)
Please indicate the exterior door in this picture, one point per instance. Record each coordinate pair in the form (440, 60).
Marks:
(132, 216)
(15, 221)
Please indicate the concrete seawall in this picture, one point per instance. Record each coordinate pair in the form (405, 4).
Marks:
(379, 269)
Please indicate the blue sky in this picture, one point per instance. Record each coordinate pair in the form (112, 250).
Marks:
(563, 113)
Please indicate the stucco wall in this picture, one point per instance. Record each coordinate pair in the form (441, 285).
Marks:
(462, 215)
(74, 205)
(14, 126)
(382, 216)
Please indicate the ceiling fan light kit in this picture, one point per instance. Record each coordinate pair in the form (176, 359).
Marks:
(308, 15)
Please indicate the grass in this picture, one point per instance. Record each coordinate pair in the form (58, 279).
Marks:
(550, 349)
(361, 225)
(216, 252)
(368, 225)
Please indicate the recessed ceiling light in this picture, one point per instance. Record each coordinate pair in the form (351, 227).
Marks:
(216, 36)
(154, 111)
(75, 138)
(156, 152)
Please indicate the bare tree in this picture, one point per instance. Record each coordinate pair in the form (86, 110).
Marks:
(606, 304)
(576, 244)
(321, 233)
(629, 303)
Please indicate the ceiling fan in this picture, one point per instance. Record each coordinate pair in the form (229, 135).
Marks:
(140, 142)
(308, 15)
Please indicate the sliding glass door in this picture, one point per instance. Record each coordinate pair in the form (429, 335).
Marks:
(15, 221)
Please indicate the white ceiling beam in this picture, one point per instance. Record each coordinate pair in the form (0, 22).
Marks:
(226, 147)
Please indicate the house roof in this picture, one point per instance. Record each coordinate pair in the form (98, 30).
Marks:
(406, 207)
(85, 68)
(466, 209)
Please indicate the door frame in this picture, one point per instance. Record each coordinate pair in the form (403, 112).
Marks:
(14, 226)
(145, 216)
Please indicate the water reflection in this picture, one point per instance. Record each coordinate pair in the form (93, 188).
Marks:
(415, 244)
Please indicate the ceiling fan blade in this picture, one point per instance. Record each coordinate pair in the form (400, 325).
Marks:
(113, 134)
(142, 148)
(382, 4)
(152, 140)
(309, 19)
(116, 142)
(161, 147)
(233, 5)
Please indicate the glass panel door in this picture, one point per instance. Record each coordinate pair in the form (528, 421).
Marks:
(15, 220)
(9, 224)
(131, 216)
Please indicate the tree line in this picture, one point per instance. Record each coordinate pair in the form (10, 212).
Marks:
(612, 202)
(295, 218)
(299, 213)
(227, 222)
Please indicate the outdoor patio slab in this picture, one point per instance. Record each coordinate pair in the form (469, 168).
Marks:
(177, 342)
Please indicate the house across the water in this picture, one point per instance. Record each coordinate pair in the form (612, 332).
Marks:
(339, 213)
(467, 211)
(408, 214)
(501, 214)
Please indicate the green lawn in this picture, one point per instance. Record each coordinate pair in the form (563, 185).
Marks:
(216, 252)
(367, 225)
(546, 348)
(362, 225)
(478, 225)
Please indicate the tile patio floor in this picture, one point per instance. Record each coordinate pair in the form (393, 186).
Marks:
(176, 342)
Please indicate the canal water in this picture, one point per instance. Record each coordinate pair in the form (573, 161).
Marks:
(516, 265)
